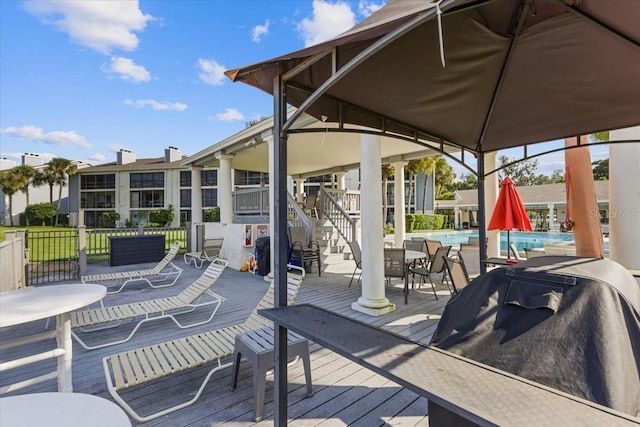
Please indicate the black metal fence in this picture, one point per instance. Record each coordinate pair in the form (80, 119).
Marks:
(53, 255)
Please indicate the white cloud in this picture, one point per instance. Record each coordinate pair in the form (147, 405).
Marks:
(230, 115)
(366, 7)
(259, 31)
(58, 137)
(117, 147)
(211, 72)
(101, 25)
(127, 70)
(98, 157)
(156, 105)
(329, 20)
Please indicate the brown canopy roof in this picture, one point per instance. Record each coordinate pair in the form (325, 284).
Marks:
(570, 67)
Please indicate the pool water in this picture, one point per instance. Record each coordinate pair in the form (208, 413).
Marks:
(522, 239)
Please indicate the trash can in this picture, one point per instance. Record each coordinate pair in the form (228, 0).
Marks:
(263, 255)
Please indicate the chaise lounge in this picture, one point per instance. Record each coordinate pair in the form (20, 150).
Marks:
(163, 271)
(198, 294)
(141, 365)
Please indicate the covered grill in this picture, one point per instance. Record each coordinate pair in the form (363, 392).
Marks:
(566, 322)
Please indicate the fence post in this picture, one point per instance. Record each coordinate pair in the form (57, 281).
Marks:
(82, 245)
(141, 229)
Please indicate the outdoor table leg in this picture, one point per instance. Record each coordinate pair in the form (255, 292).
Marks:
(63, 339)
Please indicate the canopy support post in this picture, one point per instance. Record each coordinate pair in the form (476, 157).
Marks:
(482, 230)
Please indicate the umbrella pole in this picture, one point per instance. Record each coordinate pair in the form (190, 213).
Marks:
(508, 251)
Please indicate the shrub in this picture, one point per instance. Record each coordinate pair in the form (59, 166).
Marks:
(40, 213)
(212, 214)
(161, 217)
(110, 219)
(421, 222)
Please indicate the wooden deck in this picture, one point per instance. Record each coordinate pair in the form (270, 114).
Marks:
(344, 392)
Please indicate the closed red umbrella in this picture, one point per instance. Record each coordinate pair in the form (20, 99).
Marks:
(509, 212)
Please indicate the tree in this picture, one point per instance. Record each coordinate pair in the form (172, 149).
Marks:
(9, 188)
(161, 217)
(23, 176)
(600, 169)
(444, 175)
(413, 168)
(467, 182)
(387, 172)
(45, 176)
(61, 168)
(254, 121)
(428, 165)
(522, 173)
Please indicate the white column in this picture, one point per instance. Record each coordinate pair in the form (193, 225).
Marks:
(373, 300)
(398, 203)
(624, 199)
(340, 178)
(299, 189)
(225, 197)
(196, 202)
(490, 199)
(551, 208)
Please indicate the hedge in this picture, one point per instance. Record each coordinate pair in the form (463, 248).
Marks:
(418, 222)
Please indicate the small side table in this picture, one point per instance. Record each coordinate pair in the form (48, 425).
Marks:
(257, 347)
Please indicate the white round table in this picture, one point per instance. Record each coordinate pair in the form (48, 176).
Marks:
(34, 303)
(61, 409)
(410, 255)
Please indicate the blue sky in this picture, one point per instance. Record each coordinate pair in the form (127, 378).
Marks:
(83, 79)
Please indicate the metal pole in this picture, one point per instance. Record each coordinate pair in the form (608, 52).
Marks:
(482, 230)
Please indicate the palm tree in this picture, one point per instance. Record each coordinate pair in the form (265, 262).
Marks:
(61, 168)
(23, 176)
(413, 168)
(45, 176)
(427, 166)
(9, 188)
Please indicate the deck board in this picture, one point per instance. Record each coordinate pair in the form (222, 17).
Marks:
(344, 392)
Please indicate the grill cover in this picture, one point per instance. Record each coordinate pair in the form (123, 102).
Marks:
(570, 323)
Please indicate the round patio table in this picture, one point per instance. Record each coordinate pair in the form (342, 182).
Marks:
(61, 409)
(34, 303)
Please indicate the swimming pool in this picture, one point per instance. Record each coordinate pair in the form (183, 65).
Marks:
(522, 239)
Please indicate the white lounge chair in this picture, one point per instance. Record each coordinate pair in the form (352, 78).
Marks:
(198, 294)
(163, 271)
(141, 365)
(210, 249)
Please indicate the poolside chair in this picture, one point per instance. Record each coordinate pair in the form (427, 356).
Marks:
(357, 258)
(530, 253)
(304, 251)
(436, 271)
(432, 247)
(470, 256)
(514, 252)
(309, 207)
(164, 270)
(141, 365)
(198, 294)
(457, 274)
(210, 250)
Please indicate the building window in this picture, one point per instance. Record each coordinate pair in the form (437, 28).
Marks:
(243, 177)
(185, 178)
(185, 217)
(147, 199)
(209, 198)
(98, 200)
(185, 198)
(147, 180)
(209, 177)
(98, 182)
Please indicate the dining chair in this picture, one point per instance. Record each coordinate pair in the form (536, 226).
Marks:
(395, 265)
(471, 258)
(432, 247)
(304, 251)
(356, 252)
(457, 273)
(437, 269)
